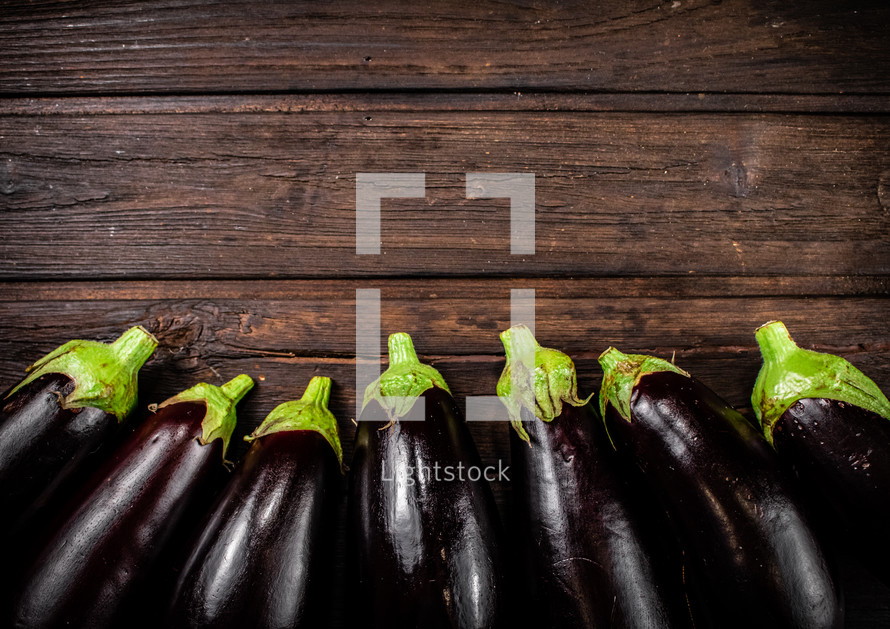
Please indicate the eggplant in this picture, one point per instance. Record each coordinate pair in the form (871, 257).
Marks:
(94, 570)
(591, 552)
(424, 538)
(746, 537)
(831, 424)
(263, 555)
(66, 409)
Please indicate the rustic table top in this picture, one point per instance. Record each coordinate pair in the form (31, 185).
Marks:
(699, 169)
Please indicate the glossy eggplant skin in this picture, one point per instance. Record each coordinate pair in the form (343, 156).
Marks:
(842, 454)
(42, 446)
(94, 567)
(262, 558)
(426, 552)
(742, 527)
(592, 553)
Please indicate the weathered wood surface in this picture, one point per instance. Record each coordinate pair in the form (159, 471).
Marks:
(273, 194)
(701, 167)
(369, 103)
(282, 332)
(176, 46)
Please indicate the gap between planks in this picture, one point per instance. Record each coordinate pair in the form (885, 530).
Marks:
(678, 287)
(445, 101)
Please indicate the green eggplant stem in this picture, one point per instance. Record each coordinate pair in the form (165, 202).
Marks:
(541, 388)
(401, 351)
(622, 372)
(611, 358)
(398, 388)
(310, 412)
(104, 375)
(237, 388)
(134, 346)
(220, 418)
(791, 373)
(775, 342)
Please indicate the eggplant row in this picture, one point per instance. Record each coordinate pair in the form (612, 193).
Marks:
(745, 534)
(262, 557)
(95, 569)
(601, 497)
(592, 553)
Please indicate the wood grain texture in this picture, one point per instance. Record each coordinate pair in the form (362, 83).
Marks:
(286, 331)
(475, 101)
(178, 46)
(701, 167)
(273, 194)
(209, 329)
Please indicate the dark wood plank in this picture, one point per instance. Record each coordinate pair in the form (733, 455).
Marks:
(373, 102)
(206, 328)
(177, 46)
(273, 194)
(276, 327)
(681, 286)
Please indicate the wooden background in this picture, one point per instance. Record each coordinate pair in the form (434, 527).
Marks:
(700, 167)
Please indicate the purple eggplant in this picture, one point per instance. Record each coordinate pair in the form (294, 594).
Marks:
(262, 557)
(424, 539)
(66, 409)
(746, 538)
(94, 569)
(591, 551)
(831, 424)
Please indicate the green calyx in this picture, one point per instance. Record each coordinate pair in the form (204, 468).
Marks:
(104, 375)
(537, 378)
(397, 388)
(622, 372)
(310, 412)
(790, 373)
(219, 420)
